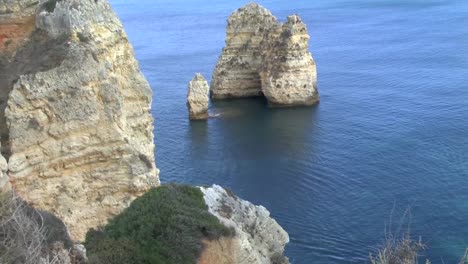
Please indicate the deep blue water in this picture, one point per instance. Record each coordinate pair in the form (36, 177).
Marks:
(391, 130)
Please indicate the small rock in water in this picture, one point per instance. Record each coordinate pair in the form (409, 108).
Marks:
(197, 97)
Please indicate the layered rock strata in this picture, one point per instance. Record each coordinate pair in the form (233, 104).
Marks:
(77, 128)
(265, 57)
(258, 239)
(237, 72)
(288, 74)
(197, 97)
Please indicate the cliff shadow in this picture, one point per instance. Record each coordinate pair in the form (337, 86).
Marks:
(39, 53)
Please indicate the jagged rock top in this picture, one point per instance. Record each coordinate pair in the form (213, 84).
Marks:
(198, 77)
(250, 9)
(263, 57)
(295, 24)
(252, 16)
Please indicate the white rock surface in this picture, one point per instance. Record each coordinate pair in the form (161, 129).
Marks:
(4, 179)
(259, 238)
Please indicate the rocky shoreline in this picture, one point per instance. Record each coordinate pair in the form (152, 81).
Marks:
(77, 131)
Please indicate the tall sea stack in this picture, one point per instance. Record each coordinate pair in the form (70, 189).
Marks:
(265, 57)
(197, 97)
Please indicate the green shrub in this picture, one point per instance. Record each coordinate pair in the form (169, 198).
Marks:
(166, 225)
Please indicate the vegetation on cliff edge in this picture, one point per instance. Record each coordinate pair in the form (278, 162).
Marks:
(164, 226)
(28, 236)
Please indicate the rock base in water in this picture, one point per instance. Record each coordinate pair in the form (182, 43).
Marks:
(197, 97)
(264, 57)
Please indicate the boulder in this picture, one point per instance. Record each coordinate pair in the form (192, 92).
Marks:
(197, 97)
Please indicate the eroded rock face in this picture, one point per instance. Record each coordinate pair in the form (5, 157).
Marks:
(17, 7)
(263, 56)
(17, 22)
(258, 240)
(288, 74)
(197, 97)
(78, 132)
(237, 72)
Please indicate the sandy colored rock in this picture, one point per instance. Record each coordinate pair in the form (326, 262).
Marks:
(197, 97)
(259, 238)
(265, 57)
(237, 72)
(288, 73)
(79, 131)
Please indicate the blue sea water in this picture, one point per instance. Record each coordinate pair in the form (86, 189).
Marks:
(390, 133)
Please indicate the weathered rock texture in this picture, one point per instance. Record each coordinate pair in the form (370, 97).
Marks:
(197, 97)
(265, 57)
(237, 72)
(258, 240)
(77, 128)
(288, 74)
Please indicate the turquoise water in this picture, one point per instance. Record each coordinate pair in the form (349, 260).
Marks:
(391, 130)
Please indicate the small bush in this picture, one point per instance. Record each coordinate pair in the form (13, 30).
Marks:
(400, 248)
(22, 235)
(166, 225)
(400, 251)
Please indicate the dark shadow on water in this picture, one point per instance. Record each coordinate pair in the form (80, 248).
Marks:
(198, 130)
(261, 131)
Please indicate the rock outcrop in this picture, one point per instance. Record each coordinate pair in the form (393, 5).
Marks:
(288, 74)
(77, 129)
(197, 97)
(258, 240)
(237, 72)
(265, 57)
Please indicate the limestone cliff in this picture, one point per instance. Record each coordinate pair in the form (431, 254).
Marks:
(197, 97)
(258, 239)
(77, 127)
(265, 57)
